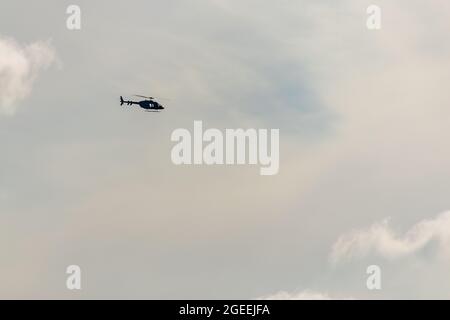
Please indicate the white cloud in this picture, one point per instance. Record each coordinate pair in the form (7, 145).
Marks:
(382, 240)
(300, 295)
(19, 68)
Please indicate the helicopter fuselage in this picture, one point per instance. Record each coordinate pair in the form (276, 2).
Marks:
(150, 104)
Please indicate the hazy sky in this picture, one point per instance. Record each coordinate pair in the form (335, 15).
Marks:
(364, 157)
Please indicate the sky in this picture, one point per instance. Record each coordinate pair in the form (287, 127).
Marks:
(364, 156)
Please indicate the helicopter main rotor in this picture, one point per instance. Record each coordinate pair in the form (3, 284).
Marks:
(150, 98)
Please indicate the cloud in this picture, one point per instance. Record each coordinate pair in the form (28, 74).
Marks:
(300, 295)
(19, 68)
(382, 240)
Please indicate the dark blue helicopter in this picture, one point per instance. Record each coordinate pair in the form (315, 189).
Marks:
(149, 104)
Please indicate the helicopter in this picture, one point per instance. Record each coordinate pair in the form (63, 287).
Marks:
(149, 104)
